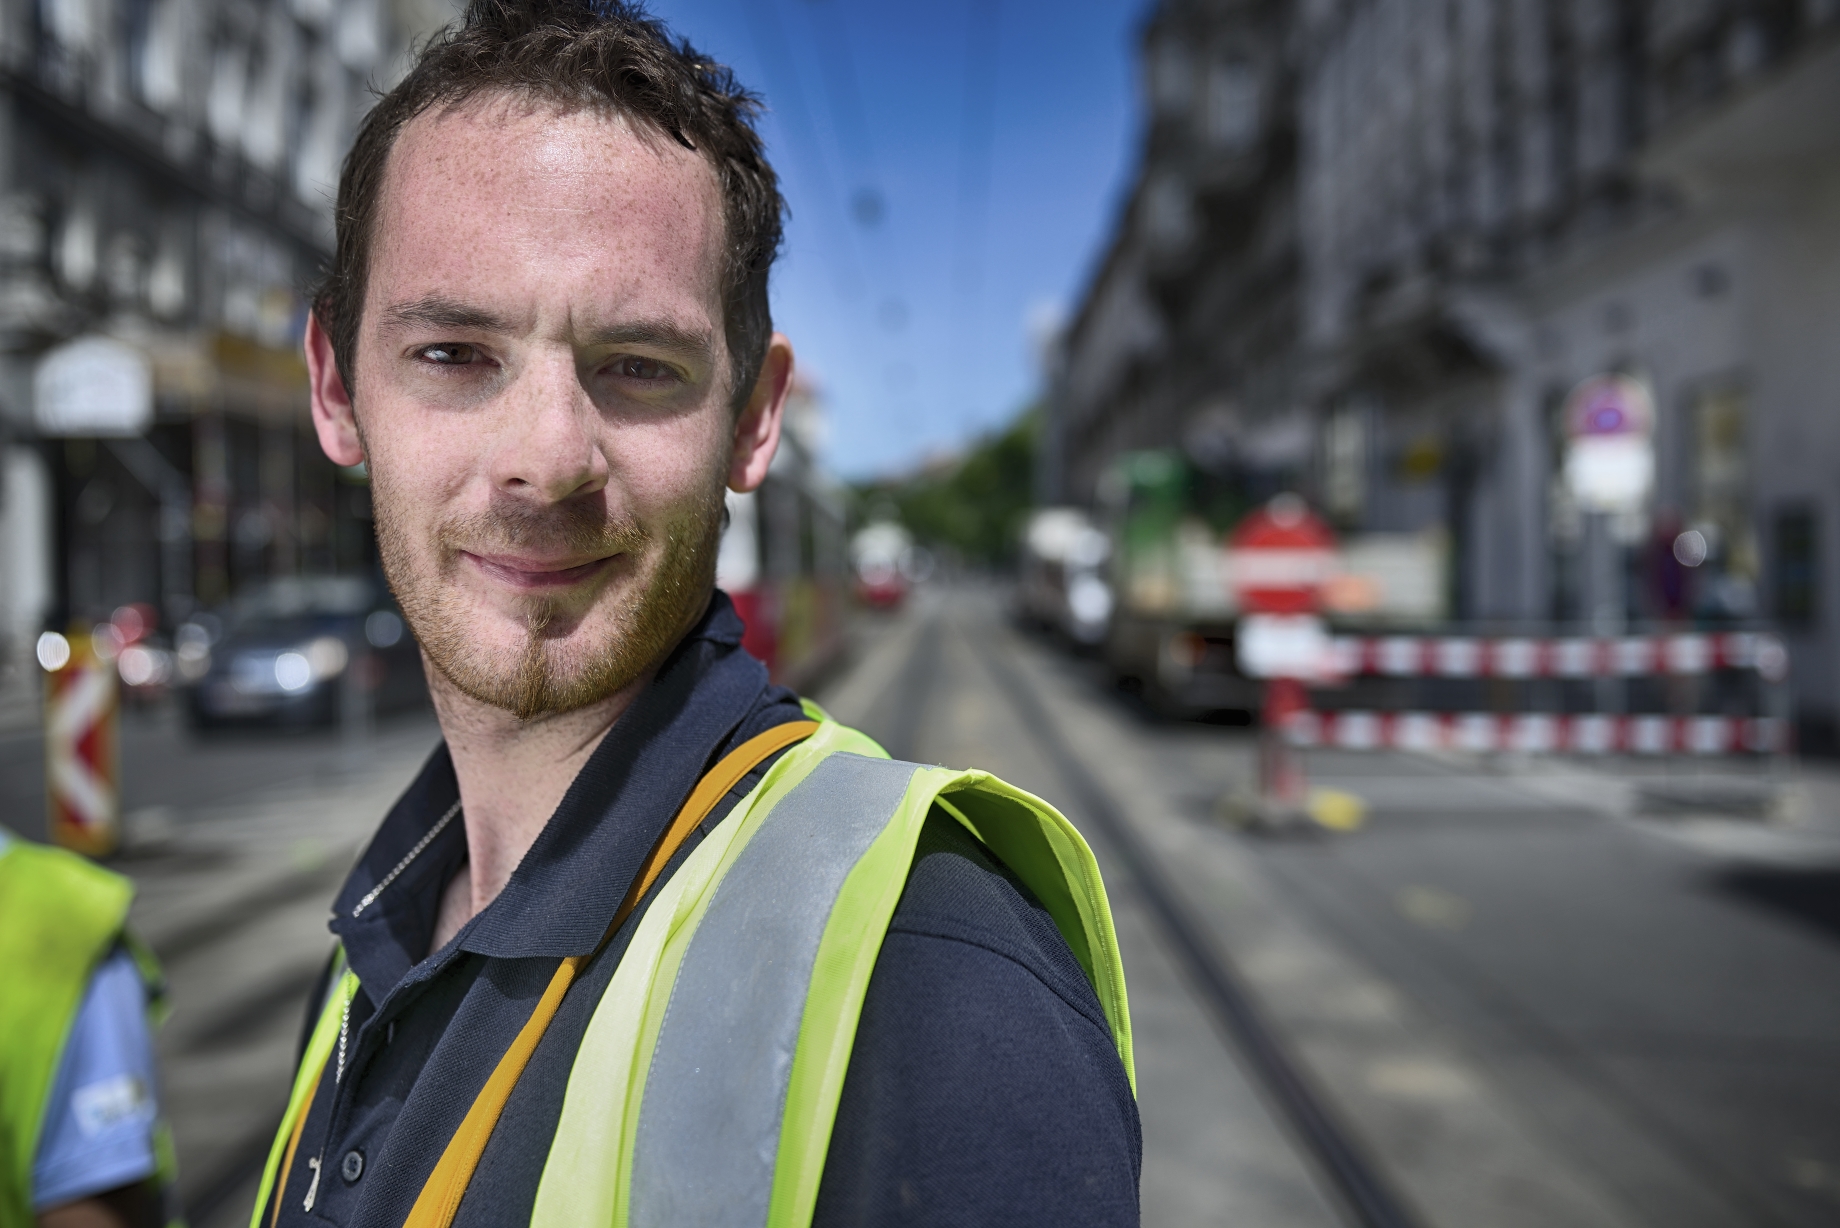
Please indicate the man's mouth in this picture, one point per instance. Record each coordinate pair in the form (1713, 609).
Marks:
(535, 574)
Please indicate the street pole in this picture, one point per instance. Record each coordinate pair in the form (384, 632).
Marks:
(1281, 780)
(1605, 599)
(1610, 470)
(1280, 555)
(355, 704)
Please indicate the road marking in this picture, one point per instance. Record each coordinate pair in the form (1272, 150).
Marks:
(1433, 907)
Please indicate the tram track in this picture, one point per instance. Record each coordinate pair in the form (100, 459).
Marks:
(910, 697)
(1357, 1187)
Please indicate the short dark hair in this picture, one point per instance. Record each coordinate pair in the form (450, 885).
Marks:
(576, 54)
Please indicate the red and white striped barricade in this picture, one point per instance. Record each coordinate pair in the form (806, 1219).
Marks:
(81, 768)
(1537, 732)
(1564, 657)
(1523, 657)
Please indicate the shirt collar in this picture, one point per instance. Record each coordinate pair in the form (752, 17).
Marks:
(563, 895)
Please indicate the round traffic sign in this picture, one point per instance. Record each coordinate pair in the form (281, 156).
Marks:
(1609, 405)
(1609, 457)
(1279, 556)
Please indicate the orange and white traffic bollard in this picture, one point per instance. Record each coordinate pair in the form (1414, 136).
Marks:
(82, 708)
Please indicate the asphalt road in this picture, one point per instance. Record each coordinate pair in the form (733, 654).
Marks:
(1669, 1017)
(1645, 1007)
(1509, 998)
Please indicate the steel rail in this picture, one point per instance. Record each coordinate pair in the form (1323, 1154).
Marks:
(1357, 1186)
(910, 699)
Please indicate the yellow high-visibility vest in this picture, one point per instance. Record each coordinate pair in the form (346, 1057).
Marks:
(708, 1078)
(60, 916)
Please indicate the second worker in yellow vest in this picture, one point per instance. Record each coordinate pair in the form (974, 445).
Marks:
(81, 1142)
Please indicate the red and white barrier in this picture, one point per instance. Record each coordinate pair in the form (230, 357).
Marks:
(82, 778)
(1536, 732)
(1412, 656)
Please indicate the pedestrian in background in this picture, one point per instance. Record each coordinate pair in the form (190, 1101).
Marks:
(81, 1144)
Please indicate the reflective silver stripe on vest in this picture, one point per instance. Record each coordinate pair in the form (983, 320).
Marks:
(708, 1134)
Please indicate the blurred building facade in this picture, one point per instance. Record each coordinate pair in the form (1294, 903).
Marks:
(166, 173)
(1373, 243)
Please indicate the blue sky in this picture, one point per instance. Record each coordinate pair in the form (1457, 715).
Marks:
(953, 171)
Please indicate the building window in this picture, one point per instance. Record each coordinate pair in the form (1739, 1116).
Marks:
(1797, 549)
(1233, 98)
(1727, 583)
(1345, 464)
(1171, 76)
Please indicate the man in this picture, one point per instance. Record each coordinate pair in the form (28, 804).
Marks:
(647, 940)
(80, 1140)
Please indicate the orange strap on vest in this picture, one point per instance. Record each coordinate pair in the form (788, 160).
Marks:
(293, 1144)
(440, 1197)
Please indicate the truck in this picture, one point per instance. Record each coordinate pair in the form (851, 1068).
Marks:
(1172, 631)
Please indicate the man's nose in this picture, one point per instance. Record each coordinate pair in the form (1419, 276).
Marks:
(548, 445)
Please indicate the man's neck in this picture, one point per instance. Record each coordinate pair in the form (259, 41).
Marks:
(512, 776)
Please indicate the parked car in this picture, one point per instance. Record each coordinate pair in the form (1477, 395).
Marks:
(297, 651)
(1062, 586)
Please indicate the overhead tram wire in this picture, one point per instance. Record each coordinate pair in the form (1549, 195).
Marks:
(776, 54)
(843, 92)
(775, 51)
(890, 306)
(976, 139)
(850, 121)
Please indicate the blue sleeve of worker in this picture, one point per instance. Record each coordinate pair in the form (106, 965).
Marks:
(984, 1086)
(99, 1120)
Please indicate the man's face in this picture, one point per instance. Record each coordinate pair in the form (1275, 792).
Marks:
(542, 388)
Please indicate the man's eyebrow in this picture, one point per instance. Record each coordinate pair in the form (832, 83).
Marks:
(437, 312)
(661, 333)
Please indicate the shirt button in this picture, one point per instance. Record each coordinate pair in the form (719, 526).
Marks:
(352, 1166)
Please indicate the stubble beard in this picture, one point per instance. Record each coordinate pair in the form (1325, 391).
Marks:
(650, 612)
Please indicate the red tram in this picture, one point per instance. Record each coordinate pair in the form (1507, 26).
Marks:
(784, 562)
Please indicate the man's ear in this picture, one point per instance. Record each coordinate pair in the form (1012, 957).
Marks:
(757, 429)
(333, 417)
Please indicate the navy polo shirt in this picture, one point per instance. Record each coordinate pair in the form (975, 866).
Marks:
(983, 1087)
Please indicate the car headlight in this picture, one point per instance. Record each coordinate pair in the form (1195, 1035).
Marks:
(194, 661)
(192, 651)
(143, 665)
(323, 658)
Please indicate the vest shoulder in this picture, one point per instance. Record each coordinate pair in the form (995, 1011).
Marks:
(958, 891)
(39, 883)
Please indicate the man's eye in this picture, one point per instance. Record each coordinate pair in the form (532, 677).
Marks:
(448, 354)
(643, 369)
